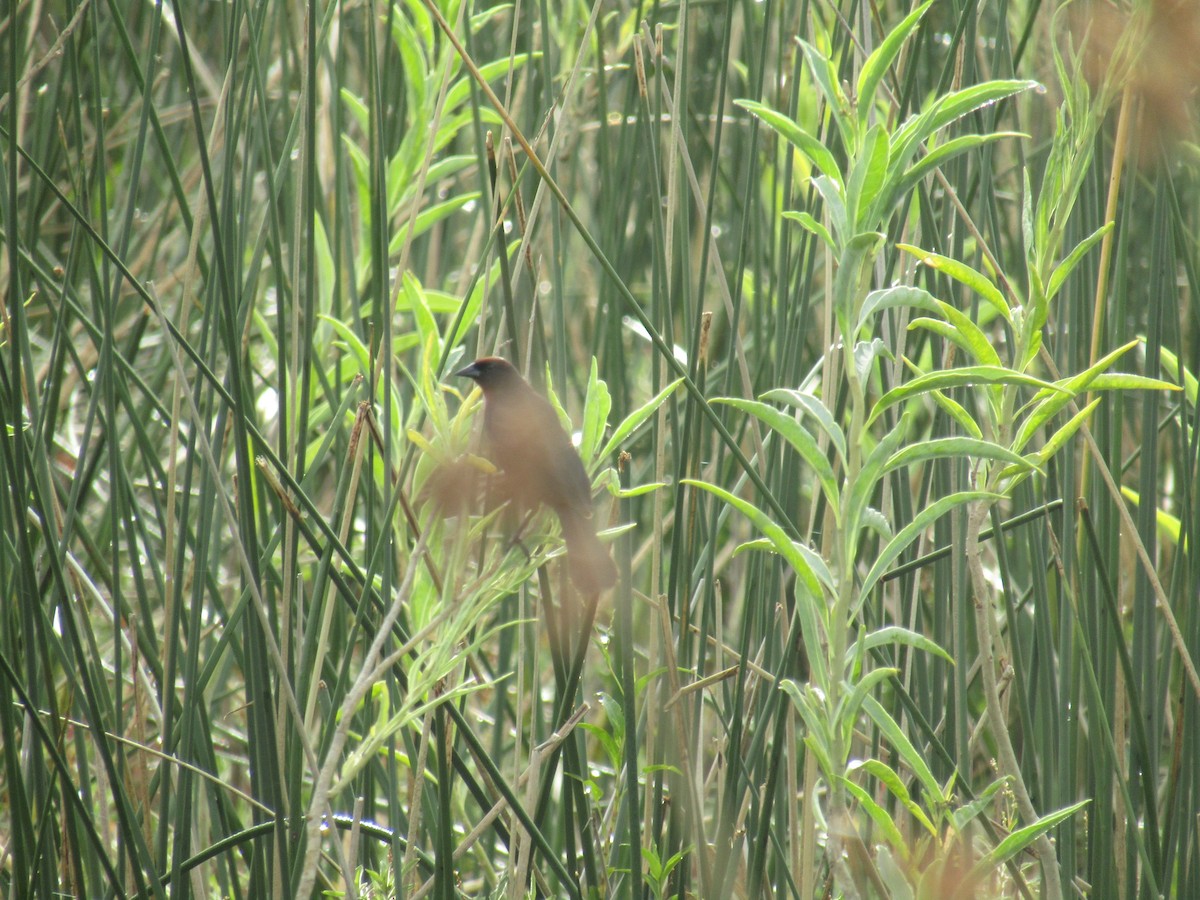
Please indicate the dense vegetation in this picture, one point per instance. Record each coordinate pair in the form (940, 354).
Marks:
(876, 325)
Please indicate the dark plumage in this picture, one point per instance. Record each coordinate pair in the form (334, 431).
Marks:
(541, 466)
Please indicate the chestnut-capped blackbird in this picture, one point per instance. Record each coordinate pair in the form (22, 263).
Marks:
(541, 466)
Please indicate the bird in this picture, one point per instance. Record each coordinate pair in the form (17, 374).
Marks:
(541, 466)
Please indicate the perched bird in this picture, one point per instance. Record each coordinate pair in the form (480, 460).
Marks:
(541, 466)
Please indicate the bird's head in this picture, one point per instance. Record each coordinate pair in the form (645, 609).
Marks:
(490, 372)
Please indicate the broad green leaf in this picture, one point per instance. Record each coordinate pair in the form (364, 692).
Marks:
(460, 92)
(951, 447)
(867, 177)
(877, 522)
(636, 418)
(1019, 840)
(798, 436)
(943, 153)
(820, 569)
(974, 340)
(865, 354)
(864, 485)
(1059, 275)
(352, 341)
(1064, 434)
(894, 878)
(779, 538)
(955, 410)
(812, 405)
(896, 634)
(911, 756)
(854, 267)
(963, 815)
(971, 341)
(825, 75)
(894, 297)
(596, 406)
(961, 272)
(414, 297)
(1123, 381)
(638, 490)
(812, 711)
(1048, 404)
(913, 530)
(952, 378)
(879, 816)
(429, 217)
(786, 128)
(807, 222)
(895, 786)
(945, 110)
(835, 207)
(876, 65)
(441, 302)
(847, 712)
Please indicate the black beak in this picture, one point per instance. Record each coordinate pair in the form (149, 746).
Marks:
(472, 371)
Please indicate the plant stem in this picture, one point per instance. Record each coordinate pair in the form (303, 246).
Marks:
(1007, 757)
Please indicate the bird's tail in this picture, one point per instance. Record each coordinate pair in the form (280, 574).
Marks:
(592, 569)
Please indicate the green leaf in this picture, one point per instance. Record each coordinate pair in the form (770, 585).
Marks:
(963, 815)
(955, 410)
(853, 268)
(807, 222)
(911, 756)
(883, 822)
(863, 486)
(1123, 381)
(779, 538)
(352, 341)
(876, 65)
(825, 75)
(790, 131)
(1170, 528)
(866, 178)
(895, 297)
(1019, 840)
(847, 712)
(1047, 404)
(596, 407)
(962, 447)
(1064, 434)
(460, 92)
(429, 217)
(961, 272)
(943, 153)
(811, 404)
(913, 530)
(635, 419)
(818, 739)
(835, 207)
(1170, 362)
(973, 338)
(895, 786)
(945, 110)
(1059, 275)
(952, 378)
(896, 634)
(799, 437)
(820, 569)
(970, 340)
